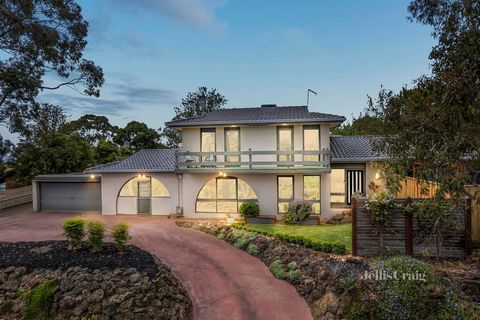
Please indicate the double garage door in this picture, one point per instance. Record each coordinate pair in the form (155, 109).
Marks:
(70, 196)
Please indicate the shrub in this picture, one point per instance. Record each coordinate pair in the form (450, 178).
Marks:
(120, 236)
(74, 231)
(241, 243)
(252, 249)
(339, 248)
(294, 275)
(277, 270)
(221, 236)
(237, 234)
(307, 242)
(96, 233)
(292, 265)
(250, 209)
(298, 211)
(38, 302)
(6, 306)
(327, 247)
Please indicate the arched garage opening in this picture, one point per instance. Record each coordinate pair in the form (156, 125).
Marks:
(135, 196)
(224, 195)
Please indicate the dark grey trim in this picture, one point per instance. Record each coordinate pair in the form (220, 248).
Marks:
(67, 178)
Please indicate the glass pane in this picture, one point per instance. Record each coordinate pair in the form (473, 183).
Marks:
(337, 186)
(129, 189)
(282, 207)
(144, 189)
(311, 187)
(285, 187)
(209, 190)
(226, 206)
(245, 191)
(208, 145)
(311, 142)
(285, 142)
(207, 206)
(316, 207)
(232, 143)
(158, 189)
(227, 188)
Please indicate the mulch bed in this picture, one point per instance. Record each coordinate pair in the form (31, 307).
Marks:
(56, 255)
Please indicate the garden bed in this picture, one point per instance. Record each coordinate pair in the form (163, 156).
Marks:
(41, 280)
(333, 285)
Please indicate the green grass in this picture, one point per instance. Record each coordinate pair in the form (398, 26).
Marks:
(323, 233)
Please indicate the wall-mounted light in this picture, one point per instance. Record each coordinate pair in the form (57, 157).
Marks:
(92, 176)
(377, 175)
(224, 174)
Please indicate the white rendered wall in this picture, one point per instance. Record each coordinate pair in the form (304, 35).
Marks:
(113, 182)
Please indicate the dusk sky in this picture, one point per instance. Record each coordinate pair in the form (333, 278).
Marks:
(254, 52)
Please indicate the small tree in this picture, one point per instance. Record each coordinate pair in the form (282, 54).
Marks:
(120, 236)
(74, 231)
(96, 233)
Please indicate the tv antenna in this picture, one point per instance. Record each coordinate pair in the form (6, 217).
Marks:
(308, 95)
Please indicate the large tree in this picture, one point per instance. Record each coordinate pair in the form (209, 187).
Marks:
(41, 119)
(107, 151)
(434, 126)
(53, 153)
(195, 104)
(91, 127)
(363, 125)
(136, 136)
(42, 44)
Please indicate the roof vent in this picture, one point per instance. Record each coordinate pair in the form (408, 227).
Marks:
(268, 105)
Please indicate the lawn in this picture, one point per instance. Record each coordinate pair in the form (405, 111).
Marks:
(323, 233)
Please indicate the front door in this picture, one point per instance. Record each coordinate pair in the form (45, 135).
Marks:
(354, 184)
(144, 197)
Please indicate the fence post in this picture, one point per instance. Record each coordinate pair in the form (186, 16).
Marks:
(408, 234)
(468, 227)
(354, 226)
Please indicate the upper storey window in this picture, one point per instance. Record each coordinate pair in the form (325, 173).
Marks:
(207, 143)
(285, 142)
(232, 143)
(311, 142)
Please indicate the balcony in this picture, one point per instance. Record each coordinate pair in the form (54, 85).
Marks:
(254, 161)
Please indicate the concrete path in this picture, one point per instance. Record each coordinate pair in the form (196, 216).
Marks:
(223, 282)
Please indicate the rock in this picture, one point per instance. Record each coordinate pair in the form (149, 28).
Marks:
(308, 285)
(96, 296)
(436, 291)
(11, 285)
(67, 302)
(327, 304)
(41, 250)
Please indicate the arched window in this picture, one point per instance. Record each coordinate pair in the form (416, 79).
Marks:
(149, 187)
(224, 195)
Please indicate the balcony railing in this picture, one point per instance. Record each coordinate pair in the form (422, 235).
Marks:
(254, 160)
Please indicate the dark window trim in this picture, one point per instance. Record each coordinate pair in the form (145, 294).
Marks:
(214, 130)
(345, 183)
(225, 130)
(292, 134)
(278, 190)
(310, 127)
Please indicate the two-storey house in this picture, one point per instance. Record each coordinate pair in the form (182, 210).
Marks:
(270, 155)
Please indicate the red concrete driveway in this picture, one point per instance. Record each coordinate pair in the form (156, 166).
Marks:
(223, 282)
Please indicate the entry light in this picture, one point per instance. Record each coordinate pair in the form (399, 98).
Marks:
(224, 174)
(220, 173)
(377, 175)
(92, 176)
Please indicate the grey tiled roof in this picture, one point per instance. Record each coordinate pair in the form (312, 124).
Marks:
(353, 149)
(344, 149)
(147, 160)
(261, 115)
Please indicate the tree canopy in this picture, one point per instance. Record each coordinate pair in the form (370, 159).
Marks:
(91, 127)
(363, 125)
(136, 136)
(434, 125)
(195, 104)
(42, 44)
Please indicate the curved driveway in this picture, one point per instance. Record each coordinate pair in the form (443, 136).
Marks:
(223, 282)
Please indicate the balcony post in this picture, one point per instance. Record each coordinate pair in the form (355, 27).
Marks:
(250, 158)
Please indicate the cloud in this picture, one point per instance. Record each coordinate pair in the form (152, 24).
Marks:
(194, 13)
(83, 104)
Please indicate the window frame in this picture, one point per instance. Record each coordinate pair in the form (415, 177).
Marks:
(310, 127)
(217, 199)
(225, 130)
(292, 138)
(319, 201)
(283, 200)
(211, 130)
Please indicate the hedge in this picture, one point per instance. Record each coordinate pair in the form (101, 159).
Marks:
(336, 247)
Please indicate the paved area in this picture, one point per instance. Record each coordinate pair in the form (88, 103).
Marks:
(223, 282)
